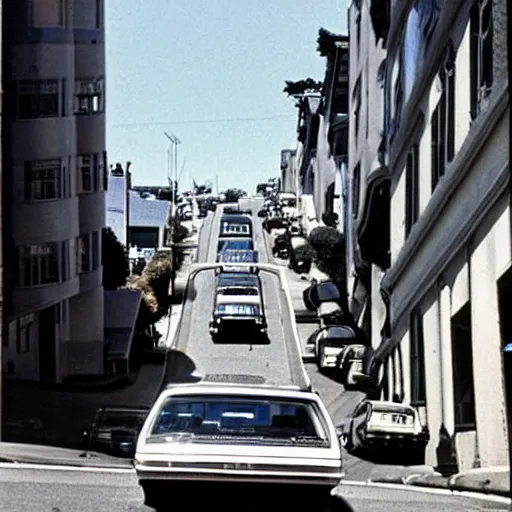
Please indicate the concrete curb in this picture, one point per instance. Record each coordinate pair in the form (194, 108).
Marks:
(15, 453)
(485, 481)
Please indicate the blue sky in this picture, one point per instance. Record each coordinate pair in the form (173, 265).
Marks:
(173, 64)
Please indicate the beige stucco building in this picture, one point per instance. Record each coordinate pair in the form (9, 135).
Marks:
(54, 168)
(445, 163)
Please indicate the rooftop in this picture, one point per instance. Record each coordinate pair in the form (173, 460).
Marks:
(147, 212)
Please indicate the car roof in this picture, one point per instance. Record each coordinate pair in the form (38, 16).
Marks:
(388, 405)
(237, 388)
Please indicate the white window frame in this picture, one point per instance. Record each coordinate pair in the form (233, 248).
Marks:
(38, 178)
(89, 97)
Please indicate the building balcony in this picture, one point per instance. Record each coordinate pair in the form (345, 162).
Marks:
(91, 280)
(90, 133)
(54, 136)
(40, 222)
(91, 208)
(30, 299)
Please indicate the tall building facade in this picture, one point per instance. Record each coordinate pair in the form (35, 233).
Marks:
(54, 187)
(432, 214)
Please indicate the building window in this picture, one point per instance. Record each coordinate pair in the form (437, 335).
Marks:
(38, 98)
(481, 51)
(39, 265)
(88, 252)
(462, 360)
(357, 109)
(89, 97)
(43, 180)
(24, 333)
(90, 172)
(46, 13)
(443, 123)
(356, 186)
(412, 192)
(95, 249)
(417, 357)
(84, 253)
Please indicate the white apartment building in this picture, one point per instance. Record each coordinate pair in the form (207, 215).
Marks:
(54, 179)
(448, 281)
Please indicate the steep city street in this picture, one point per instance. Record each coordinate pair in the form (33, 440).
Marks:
(41, 489)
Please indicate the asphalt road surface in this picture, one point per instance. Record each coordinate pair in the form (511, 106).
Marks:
(41, 489)
(198, 356)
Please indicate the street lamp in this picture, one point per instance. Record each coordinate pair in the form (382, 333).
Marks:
(174, 152)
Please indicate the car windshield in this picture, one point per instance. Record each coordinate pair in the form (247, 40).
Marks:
(238, 309)
(275, 419)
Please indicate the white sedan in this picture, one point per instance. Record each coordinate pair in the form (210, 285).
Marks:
(217, 444)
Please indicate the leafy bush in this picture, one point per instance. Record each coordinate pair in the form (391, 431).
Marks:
(114, 258)
(179, 231)
(154, 285)
(329, 246)
(304, 253)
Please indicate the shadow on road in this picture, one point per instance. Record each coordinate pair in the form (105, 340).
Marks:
(235, 338)
(179, 367)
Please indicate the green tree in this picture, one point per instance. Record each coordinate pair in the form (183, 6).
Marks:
(154, 283)
(234, 194)
(301, 87)
(114, 258)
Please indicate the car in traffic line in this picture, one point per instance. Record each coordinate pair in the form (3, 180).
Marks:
(274, 448)
(232, 257)
(238, 310)
(374, 425)
(235, 243)
(235, 226)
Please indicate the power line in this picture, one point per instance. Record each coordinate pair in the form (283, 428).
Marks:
(205, 121)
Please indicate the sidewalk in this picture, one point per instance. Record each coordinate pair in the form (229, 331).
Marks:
(168, 324)
(491, 480)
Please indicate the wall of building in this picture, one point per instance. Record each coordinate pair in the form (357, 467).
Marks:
(454, 254)
(51, 52)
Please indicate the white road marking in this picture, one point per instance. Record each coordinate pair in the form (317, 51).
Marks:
(428, 490)
(57, 467)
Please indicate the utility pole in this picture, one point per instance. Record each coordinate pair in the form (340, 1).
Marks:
(217, 185)
(174, 145)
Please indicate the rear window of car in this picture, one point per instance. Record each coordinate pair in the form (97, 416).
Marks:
(238, 309)
(228, 417)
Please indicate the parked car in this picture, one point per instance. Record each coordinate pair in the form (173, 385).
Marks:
(281, 247)
(350, 363)
(330, 342)
(330, 314)
(223, 444)
(380, 424)
(241, 311)
(235, 225)
(115, 430)
(274, 222)
(318, 292)
(298, 265)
